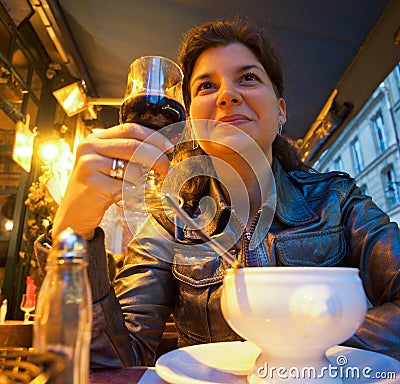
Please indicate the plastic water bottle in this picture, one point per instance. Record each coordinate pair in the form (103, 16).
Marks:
(63, 319)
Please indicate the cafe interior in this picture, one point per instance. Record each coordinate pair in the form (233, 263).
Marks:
(63, 69)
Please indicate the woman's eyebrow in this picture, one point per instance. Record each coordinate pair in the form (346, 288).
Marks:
(200, 77)
(243, 68)
(251, 66)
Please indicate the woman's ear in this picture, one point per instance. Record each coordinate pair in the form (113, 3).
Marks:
(282, 110)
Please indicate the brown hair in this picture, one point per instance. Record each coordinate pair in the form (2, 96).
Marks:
(227, 31)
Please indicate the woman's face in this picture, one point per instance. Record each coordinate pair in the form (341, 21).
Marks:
(230, 85)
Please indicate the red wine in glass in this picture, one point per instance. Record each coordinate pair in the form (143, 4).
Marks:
(152, 99)
(153, 111)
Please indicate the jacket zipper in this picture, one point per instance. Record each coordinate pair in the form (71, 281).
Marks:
(246, 238)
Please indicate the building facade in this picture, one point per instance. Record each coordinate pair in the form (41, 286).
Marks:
(369, 147)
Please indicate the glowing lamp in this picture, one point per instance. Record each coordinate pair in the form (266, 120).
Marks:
(23, 145)
(72, 98)
(48, 151)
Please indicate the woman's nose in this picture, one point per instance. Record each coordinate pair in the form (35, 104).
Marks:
(228, 96)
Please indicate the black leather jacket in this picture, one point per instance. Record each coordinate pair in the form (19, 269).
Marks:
(321, 219)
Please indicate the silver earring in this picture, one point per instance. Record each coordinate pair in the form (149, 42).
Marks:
(192, 135)
(280, 127)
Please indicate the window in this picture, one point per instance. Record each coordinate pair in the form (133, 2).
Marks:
(391, 187)
(338, 164)
(5, 40)
(380, 132)
(36, 85)
(20, 63)
(357, 155)
(397, 74)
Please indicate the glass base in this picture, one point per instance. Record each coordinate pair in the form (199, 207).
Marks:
(142, 199)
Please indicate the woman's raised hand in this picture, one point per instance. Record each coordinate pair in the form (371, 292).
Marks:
(91, 187)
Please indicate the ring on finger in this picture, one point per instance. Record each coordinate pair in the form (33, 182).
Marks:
(117, 169)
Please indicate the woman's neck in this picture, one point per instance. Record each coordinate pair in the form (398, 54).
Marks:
(242, 183)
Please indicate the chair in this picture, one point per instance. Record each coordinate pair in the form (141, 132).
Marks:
(19, 365)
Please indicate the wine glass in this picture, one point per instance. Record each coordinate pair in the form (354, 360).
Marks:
(153, 98)
(28, 304)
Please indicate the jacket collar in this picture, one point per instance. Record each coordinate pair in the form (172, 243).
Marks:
(287, 204)
(291, 206)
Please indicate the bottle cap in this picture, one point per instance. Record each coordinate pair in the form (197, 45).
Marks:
(68, 240)
(70, 244)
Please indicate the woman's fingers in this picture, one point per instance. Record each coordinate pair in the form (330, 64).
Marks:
(137, 132)
(130, 142)
(93, 163)
(128, 150)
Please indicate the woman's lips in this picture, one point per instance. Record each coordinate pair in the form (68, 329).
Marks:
(234, 119)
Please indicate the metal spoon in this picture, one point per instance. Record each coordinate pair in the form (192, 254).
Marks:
(215, 245)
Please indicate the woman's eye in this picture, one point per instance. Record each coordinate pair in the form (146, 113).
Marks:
(204, 86)
(250, 77)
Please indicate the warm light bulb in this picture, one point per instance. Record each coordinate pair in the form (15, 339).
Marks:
(8, 225)
(48, 151)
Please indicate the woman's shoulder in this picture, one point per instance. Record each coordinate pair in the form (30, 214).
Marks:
(304, 175)
(313, 176)
(316, 184)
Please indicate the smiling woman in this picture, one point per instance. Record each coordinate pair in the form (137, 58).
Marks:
(234, 96)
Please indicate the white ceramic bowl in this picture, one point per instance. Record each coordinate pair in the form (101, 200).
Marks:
(294, 314)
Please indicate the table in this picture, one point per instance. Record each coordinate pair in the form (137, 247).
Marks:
(16, 333)
(131, 375)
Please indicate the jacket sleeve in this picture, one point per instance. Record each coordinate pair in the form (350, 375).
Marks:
(374, 247)
(145, 289)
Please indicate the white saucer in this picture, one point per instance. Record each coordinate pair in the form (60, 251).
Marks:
(230, 362)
